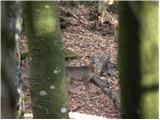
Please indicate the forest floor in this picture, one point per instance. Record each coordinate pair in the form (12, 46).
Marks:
(82, 32)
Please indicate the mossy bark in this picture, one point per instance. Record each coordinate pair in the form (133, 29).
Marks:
(47, 81)
(8, 71)
(138, 59)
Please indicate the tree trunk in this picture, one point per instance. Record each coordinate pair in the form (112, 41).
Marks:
(138, 59)
(47, 81)
(8, 71)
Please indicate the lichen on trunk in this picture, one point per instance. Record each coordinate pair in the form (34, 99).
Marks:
(47, 81)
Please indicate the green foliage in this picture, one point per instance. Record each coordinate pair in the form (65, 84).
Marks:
(70, 55)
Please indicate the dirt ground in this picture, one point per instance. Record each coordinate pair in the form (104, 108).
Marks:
(82, 32)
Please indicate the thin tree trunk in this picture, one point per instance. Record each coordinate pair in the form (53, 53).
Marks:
(138, 59)
(47, 81)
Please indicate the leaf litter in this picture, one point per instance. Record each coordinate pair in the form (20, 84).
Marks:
(81, 37)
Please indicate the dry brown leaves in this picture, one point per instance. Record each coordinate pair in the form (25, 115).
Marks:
(87, 42)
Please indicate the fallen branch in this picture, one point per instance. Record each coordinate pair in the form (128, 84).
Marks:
(102, 63)
(104, 86)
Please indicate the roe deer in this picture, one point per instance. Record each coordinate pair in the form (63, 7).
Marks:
(81, 73)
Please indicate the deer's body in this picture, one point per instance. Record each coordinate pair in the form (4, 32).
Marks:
(82, 73)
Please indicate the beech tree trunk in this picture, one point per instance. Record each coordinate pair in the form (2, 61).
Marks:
(8, 68)
(138, 59)
(47, 81)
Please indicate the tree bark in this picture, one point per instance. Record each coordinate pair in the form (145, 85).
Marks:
(138, 59)
(47, 81)
(8, 71)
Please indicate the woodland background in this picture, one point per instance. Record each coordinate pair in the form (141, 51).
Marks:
(40, 38)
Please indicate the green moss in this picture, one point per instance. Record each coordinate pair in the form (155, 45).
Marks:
(149, 59)
(47, 64)
(138, 59)
(70, 54)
